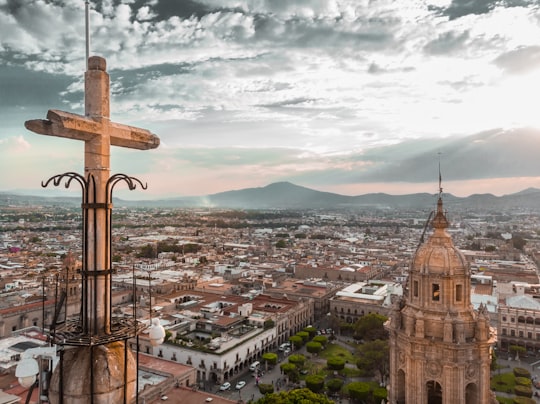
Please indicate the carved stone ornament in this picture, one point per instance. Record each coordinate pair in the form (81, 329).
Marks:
(470, 372)
(434, 368)
(401, 357)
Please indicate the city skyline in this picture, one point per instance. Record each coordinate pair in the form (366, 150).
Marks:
(340, 96)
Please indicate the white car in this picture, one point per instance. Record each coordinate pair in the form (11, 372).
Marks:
(225, 386)
(240, 384)
(284, 346)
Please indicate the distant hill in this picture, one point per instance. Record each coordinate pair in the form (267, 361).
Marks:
(284, 195)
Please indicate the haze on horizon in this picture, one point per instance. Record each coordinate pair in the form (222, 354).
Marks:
(344, 96)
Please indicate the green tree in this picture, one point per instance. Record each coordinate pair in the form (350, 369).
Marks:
(358, 390)
(370, 327)
(297, 359)
(517, 349)
(265, 388)
(321, 339)
(493, 365)
(313, 347)
(290, 370)
(315, 383)
(380, 394)
(297, 396)
(523, 391)
(521, 372)
(147, 251)
(287, 367)
(296, 341)
(270, 358)
(334, 385)
(281, 243)
(269, 324)
(374, 356)
(312, 331)
(518, 242)
(335, 363)
(304, 335)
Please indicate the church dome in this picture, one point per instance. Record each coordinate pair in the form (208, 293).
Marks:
(439, 255)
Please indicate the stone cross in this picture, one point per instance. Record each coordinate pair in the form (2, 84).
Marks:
(98, 134)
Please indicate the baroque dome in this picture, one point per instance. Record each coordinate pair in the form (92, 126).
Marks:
(439, 255)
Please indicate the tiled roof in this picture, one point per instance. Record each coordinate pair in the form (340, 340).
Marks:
(523, 302)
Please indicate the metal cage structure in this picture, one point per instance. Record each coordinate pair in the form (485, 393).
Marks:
(80, 331)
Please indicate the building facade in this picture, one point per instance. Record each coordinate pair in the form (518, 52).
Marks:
(359, 299)
(519, 323)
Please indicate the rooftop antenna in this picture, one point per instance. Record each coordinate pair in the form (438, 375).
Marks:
(87, 30)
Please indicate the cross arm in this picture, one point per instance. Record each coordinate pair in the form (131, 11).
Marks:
(65, 124)
(78, 127)
(132, 137)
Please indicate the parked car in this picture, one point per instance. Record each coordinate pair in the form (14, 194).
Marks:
(225, 386)
(284, 346)
(240, 384)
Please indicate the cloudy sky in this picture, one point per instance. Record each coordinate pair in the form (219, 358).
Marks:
(346, 96)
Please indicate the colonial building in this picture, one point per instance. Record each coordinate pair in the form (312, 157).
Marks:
(439, 345)
(361, 298)
(222, 335)
(519, 322)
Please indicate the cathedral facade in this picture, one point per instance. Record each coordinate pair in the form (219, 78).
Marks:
(440, 347)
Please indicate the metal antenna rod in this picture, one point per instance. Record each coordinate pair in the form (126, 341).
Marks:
(440, 176)
(87, 29)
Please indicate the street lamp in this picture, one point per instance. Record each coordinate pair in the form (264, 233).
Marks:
(26, 372)
(29, 368)
(156, 332)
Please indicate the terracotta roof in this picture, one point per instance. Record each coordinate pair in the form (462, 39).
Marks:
(165, 366)
(184, 395)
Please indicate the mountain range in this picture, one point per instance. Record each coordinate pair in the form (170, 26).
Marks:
(285, 195)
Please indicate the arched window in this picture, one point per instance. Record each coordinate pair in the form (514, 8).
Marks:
(434, 391)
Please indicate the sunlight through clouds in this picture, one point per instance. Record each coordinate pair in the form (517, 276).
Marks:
(333, 81)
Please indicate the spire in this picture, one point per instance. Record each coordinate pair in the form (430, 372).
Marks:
(440, 221)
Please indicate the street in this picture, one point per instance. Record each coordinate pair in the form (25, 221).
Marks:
(251, 391)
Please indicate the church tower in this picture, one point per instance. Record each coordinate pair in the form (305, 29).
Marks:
(439, 345)
(70, 285)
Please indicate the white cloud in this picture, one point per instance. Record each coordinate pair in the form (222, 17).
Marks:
(144, 14)
(321, 76)
(14, 144)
